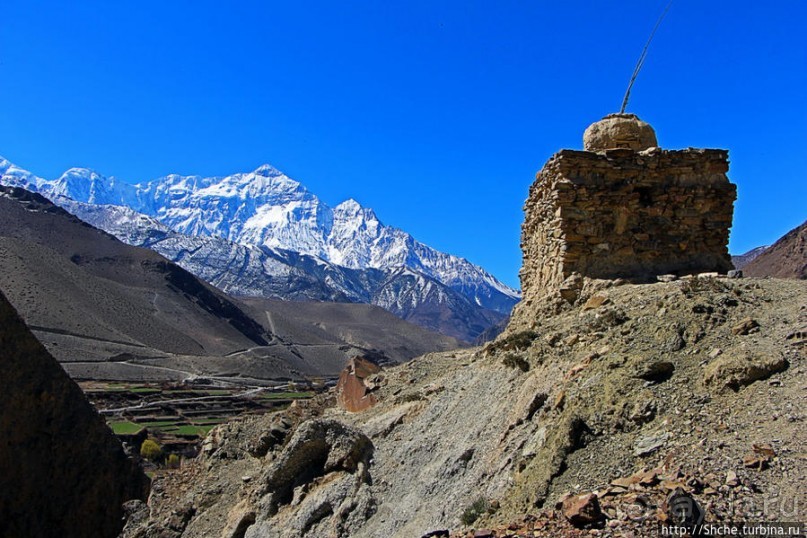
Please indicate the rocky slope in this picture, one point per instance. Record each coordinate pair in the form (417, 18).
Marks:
(787, 258)
(698, 381)
(241, 230)
(64, 472)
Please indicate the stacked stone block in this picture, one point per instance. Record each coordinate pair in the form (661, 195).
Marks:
(621, 213)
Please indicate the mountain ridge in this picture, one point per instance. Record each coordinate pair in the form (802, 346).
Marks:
(160, 198)
(108, 310)
(274, 215)
(250, 271)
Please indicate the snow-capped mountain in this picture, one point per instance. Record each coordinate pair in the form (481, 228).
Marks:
(236, 231)
(276, 273)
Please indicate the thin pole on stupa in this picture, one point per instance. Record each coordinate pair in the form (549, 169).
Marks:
(642, 57)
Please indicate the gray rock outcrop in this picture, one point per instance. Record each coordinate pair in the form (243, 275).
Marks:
(318, 486)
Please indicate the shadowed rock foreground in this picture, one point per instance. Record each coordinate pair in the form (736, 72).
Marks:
(63, 471)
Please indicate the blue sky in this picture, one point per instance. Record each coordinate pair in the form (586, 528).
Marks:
(436, 114)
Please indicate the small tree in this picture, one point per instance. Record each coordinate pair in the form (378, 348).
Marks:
(173, 461)
(474, 511)
(516, 361)
(150, 450)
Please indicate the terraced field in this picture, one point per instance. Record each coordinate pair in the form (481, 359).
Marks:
(179, 416)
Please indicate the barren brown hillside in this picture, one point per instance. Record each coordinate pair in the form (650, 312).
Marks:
(787, 258)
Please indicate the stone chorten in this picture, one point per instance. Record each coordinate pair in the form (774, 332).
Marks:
(619, 131)
(624, 208)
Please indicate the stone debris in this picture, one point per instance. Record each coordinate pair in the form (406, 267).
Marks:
(760, 457)
(746, 326)
(595, 301)
(655, 371)
(560, 400)
(731, 479)
(317, 448)
(275, 435)
(644, 477)
(647, 445)
(633, 505)
(442, 533)
(571, 340)
(682, 508)
(582, 510)
(240, 518)
(798, 338)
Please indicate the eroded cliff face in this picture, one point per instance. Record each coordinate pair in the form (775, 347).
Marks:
(63, 471)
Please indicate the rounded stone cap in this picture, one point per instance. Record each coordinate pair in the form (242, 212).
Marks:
(619, 131)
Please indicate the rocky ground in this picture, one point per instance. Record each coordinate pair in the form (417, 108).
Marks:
(580, 421)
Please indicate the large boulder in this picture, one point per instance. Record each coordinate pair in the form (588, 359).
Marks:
(734, 371)
(63, 471)
(318, 486)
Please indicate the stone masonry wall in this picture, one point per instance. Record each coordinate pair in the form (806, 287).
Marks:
(626, 214)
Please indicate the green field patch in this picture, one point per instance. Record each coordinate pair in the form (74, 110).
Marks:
(190, 429)
(214, 392)
(196, 393)
(285, 395)
(125, 387)
(125, 427)
(144, 390)
(159, 423)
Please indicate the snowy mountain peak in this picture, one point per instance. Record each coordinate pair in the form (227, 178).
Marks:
(349, 205)
(79, 174)
(15, 176)
(263, 185)
(266, 208)
(351, 208)
(86, 185)
(267, 170)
